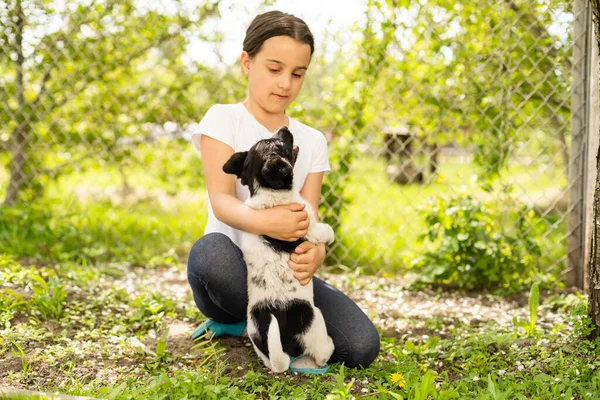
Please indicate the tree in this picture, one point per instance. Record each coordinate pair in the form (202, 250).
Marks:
(594, 263)
(486, 75)
(78, 76)
(350, 85)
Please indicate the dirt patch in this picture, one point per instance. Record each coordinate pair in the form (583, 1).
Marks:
(417, 335)
(239, 354)
(180, 344)
(396, 309)
(9, 364)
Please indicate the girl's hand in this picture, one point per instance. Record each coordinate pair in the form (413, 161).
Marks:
(288, 222)
(305, 261)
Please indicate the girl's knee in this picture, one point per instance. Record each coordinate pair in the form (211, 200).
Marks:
(364, 348)
(206, 252)
(215, 257)
(214, 240)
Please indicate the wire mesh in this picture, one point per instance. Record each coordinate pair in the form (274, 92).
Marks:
(417, 100)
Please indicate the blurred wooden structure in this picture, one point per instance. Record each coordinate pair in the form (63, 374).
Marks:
(401, 150)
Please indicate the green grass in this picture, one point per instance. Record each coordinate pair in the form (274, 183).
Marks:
(379, 228)
(142, 233)
(163, 217)
(87, 242)
(89, 349)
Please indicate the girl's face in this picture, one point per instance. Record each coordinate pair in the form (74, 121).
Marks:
(276, 73)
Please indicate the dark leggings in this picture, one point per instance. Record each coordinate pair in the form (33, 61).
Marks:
(217, 275)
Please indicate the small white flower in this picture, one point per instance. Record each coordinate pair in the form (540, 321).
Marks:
(364, 390)
(520, 368)
(501, 372)
(475, 378)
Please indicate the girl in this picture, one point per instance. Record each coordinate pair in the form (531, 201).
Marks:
(276, 54)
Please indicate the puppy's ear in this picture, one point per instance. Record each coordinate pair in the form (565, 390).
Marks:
(235, 163)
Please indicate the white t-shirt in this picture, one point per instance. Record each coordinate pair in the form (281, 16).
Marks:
(233, 125)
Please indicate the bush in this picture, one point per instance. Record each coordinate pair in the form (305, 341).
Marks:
(477, 246)
(33, 232)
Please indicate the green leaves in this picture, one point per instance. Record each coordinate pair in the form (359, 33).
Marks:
(161, 345)
(355, 90)
(534, 298)
(495, 392)
(104, 72)
(479, 74)
(48, 298)
(529, 326)
(426, 386)
(474, 248)
(25, 362)
(342, 390)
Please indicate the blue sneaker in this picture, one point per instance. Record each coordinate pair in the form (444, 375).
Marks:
(318, 371)
(219, 329)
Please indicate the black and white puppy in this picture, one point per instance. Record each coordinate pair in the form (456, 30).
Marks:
(283, 321)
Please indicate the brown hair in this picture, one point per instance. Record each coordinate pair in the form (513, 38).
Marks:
(276, 23)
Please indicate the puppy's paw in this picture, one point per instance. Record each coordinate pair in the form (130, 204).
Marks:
(280, 363)
(320, 233)
(324, 352)
(328, 236)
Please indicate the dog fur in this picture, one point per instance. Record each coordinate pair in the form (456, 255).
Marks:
(283, 321)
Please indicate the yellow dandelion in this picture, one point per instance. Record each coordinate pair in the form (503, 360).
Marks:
(398, 379)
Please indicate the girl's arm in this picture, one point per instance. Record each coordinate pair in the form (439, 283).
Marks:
(288, 222)
(311, 191)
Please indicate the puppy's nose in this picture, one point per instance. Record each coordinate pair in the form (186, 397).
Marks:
(283, 132)
(285, 169)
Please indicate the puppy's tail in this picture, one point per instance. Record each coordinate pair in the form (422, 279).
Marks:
(279, 360)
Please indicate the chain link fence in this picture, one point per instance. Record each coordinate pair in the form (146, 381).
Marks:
(418, 100)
